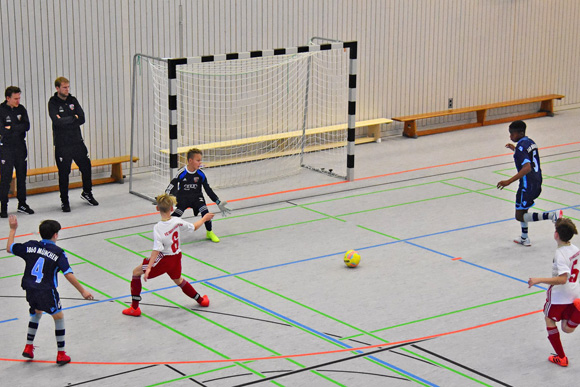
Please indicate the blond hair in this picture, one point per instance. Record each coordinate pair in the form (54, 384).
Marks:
(165, 202)
(61, 80)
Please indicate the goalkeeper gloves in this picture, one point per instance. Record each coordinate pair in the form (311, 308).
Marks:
(223, 207)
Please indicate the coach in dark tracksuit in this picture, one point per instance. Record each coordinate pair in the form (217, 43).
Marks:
(67, 116)
(14, 124)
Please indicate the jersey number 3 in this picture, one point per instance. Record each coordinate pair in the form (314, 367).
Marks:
(37, 270)
(175, 244)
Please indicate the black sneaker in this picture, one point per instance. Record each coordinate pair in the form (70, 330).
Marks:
(25, 209)
(65, 207)
(89, 198)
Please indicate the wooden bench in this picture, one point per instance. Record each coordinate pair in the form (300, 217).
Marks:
(546, 109)
(373, 135)
(116, 174)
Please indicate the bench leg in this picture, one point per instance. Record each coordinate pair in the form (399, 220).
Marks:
(548, 107)
(410, 129)
(374, 131)
(117, 173)
(481, 116)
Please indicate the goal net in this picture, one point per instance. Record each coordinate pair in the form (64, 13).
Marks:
(256, 118)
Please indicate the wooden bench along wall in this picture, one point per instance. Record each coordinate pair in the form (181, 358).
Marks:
(116, 174)
(546, 109)
(373, 135)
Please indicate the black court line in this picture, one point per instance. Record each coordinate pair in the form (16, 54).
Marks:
(110, 376)
(328, 363)
(183, 374)
(367, 373)
(221, 313)
(415, 358)
(244, 374)
(462, 366)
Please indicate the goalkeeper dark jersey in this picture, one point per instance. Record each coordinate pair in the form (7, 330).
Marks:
(527, 152)
(44, 259)
(187, 185)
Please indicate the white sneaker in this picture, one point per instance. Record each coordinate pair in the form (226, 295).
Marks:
(523, 241)
(557, 215)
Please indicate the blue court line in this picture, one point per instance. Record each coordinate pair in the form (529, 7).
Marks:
(320, 257)
(12, 319)
(320, 334)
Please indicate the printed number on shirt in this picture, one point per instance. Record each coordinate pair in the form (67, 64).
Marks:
(175, 239)
(574, 272)
(38, 266)
(535, 158)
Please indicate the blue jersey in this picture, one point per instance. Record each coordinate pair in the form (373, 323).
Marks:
(43, 260)
(527, 152)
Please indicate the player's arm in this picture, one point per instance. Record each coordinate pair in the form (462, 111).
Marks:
(152, 257)
(79, 112)
(74, 282)
(221, 204)
(559, 280)
(60, 121)
(23, 125)
(527, 168)
(13, 222)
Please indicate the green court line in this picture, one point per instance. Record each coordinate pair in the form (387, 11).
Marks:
(378, 232)
(21, 274)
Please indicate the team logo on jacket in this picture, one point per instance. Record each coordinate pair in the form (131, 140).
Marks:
(8, 119)
(195, 179)
(60, 109)
(19, 117)
(71, 106)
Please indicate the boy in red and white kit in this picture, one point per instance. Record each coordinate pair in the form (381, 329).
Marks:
(563, 297)
(166, 254)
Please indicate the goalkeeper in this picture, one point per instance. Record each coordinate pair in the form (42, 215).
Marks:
(186, 187)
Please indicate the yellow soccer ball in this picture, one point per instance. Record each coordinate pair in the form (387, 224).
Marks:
(351, 258)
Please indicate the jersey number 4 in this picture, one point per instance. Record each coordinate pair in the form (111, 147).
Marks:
(37, 270)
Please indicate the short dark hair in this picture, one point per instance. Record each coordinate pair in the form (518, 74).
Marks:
(192, 152)
(12, 90)
(48, 228)
(518, 126)
(566, 229)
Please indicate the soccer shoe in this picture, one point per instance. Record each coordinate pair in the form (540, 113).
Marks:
(212, 237)
(561, 361)
(523, 241)
(65, 207)
(28, 351)
(89, 198)
(132, 312)
(62, 358)
(25, 209)
(203, 301)
(556, 215)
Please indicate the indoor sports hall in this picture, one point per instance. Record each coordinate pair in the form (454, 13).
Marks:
(440, 297)
(380, 126)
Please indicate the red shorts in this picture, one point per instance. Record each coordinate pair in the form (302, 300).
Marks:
(559, 312)
(170, 264)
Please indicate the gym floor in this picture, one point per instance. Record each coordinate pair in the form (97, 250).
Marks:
(440, 297)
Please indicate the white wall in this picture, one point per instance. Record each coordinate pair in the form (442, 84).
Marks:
(414, 54)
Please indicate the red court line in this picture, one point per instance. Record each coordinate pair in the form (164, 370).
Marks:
(289, 356)
(321, 185)
(456, 259)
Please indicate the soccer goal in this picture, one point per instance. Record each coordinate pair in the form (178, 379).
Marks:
(256, 116)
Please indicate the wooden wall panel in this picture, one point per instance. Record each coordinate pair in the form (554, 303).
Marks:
(413, 54)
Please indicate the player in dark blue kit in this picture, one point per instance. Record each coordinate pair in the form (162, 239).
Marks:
(186, 187)
(527, 160)
(44, 259)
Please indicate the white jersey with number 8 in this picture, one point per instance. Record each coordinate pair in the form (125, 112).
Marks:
(166, 235)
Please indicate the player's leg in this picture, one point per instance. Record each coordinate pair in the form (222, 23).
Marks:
(552, 314)
(201, 208)
(6, 169)
(136, 287)
(522, 206)
(59, 332)
(63, 163)
(21, 166)
(569, 325)
(33, 323)
(81, 158)
(531, 194)
(180, 208)
(174, 272)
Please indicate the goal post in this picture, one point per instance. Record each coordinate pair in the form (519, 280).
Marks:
(256, 116)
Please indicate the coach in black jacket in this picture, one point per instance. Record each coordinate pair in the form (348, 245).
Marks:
(67, 116)
(14, 124)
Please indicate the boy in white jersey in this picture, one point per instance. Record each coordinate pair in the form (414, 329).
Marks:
(166, 254)
(563, 296)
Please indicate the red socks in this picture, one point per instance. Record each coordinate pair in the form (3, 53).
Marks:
(554, 337)
(135, 291)
(188, 289)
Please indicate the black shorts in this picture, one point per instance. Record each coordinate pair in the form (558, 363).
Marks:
(197, 204)
(46, 300)
(526, 196)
